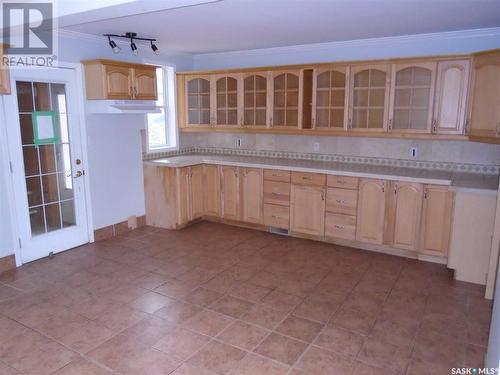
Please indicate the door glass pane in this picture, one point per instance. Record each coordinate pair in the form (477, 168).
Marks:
(369, 99)
(330, 99)
(49, 184)
(227, 101)
(198, 98)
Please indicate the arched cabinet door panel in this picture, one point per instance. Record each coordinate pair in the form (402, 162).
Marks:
(451, 97)
(286, 99)
(226, 108)
(412, 97)
(371, 210)
(330, 98)
(255, 100)
(145, 84)
(118, 82)
(198, 101)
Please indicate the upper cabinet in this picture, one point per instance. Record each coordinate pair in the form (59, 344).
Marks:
(330, 99)
(451, 97)
(369, 97)
(485, 113)
(227, 109)
(286, 99)
(106, 79)
(198, 98)
(429, 98)
(255, 100)
(412, 96)
(4, 76)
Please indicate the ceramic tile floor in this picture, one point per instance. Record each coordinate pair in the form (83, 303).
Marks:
(214, 299)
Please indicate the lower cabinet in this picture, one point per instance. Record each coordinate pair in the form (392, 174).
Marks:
(307, 210)
(403, 222)
(230, 193)
(189, 193)
(211, 190)
(251, 195)
(371, 210)
(436, 220)
(340, 226)
(196, 191)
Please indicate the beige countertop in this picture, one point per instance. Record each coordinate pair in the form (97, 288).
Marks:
(459, 181)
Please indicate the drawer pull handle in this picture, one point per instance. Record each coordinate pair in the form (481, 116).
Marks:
(275, 216)
(275, 193)
(339, 226)
(340, 201)
(306, 178)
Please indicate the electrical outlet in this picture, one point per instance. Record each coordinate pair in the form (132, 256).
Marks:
(413, 152)
(238, 143)
(316, 147)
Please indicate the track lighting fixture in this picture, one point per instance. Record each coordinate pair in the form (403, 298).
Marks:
(113, 45)
(133, 46)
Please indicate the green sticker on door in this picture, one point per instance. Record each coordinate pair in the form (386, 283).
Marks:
(45, 127)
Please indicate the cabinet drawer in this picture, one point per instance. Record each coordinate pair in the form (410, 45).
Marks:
(342, 201)
(310, 179)
(344, 182)
(275, 175)
(340, 226)
(276, 216)
(277, 193)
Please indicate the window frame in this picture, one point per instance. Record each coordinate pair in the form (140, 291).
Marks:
(169, 108)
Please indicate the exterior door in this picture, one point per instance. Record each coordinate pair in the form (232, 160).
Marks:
(46, 161)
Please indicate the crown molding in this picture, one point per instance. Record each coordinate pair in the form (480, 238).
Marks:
(328, 46)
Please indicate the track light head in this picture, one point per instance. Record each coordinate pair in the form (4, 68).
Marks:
(155, 48)
(133, 47)
(113, 45)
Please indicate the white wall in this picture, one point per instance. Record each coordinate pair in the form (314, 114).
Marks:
(115, 161)
(493, 353)
(455, 42)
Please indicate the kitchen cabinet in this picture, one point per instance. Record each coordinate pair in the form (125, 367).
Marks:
(436, 220)
(371, 210)
(342, 201)
(4, 75)
(330, 99)
(369, 102)
(230, 193)
(485, 113)
(451, 96)
(405, 207)
(252, 195)
(276, 216)
(255, 100)
(307, 209)
(211, 192)
(160, 192)
(197, 189)
(107, 79)
(412, 97)
(198, 101)
(340, 226)
(286, 99)
(189, 193)
(226, 108)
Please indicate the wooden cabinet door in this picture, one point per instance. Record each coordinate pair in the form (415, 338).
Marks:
(198, 101)
(436, 220)
(118, 82)
(160, 194)
(307, 210)
(255, 100)
(451, 97)
(404, 215)
(145, 84)
(196, 192)
(485, 116)
(230, 193)
(330, 99)
(369, 101)
(226, 108)
(412, 97)
(183, 195)
(252, 194)
(371, 210)
(211, 184)
(287, 99)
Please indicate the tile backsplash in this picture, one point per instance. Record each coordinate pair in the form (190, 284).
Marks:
(426, 150)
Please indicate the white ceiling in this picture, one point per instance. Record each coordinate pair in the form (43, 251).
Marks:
(230, 25)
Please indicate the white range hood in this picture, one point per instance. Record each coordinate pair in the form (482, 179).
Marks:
(121, 106)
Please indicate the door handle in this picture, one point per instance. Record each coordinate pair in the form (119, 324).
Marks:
(78, 174)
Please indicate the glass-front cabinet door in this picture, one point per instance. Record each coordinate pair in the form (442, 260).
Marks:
(330, 87)
(369, 98)
(226, 91)
(255, 96)
(198, 98)
(287, 96)
(412, 97)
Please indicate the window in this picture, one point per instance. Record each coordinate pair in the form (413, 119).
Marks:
(161, 129)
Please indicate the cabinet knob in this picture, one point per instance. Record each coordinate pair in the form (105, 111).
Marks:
(339, 226)
(390, 124)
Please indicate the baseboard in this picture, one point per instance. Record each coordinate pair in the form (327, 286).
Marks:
(120, 228)
(7, 263)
